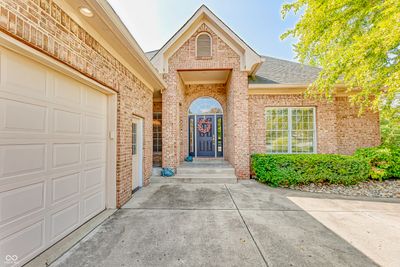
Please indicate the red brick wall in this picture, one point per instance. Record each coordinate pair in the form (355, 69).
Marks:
(223, 57)
(354, 131)
(46, 27)
(339, 129)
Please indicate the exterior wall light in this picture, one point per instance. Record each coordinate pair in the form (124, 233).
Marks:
(86, 11)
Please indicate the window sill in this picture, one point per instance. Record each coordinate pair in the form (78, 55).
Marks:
(203, 57)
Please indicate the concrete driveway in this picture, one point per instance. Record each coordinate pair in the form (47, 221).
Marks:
(244, 224)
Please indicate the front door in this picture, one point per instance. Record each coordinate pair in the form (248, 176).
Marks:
(205, 128)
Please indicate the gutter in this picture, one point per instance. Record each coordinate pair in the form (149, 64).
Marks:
(285, 85)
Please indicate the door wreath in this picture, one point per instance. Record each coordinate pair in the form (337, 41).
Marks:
(204, 126)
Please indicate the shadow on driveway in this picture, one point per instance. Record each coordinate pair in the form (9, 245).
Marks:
(244, 224)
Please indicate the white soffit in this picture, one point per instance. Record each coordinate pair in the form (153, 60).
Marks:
(106, 27)
(204, 76)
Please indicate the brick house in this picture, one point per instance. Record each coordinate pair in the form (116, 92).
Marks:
(85, 114)
(254, 103)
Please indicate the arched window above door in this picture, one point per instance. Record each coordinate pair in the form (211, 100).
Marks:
(203, 45)
(205, 105)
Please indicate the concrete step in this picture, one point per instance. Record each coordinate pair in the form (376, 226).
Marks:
(211, 171)
(208, 160)
(205, 170)
(194, 179)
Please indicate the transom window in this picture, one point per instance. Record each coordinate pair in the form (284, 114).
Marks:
(290, 130)
(157, 132)
(203, 45)
(204, 106)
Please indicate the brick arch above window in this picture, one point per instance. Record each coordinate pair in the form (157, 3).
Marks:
(203, 45)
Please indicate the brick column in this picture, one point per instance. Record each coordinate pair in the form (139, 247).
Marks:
(239, 124)
(170, 125)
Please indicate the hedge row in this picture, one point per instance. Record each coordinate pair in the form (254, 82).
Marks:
(384, 161)
(283, 170)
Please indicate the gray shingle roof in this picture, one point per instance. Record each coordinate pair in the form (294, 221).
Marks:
(278, 71)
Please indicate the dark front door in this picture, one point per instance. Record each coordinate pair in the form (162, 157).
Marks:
(205, 129)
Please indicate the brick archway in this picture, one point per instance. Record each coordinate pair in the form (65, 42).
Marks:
(193, 92)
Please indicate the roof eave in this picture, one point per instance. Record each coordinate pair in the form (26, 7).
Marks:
(137, 59)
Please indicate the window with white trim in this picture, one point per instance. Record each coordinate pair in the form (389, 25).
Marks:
(290, 130)
(203, 45)
(157, 132)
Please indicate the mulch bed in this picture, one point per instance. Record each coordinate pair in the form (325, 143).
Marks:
(372, 188)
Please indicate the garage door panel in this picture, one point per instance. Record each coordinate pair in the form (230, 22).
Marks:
(66, 155)
(20, 202)
(25, 242)
(95, 101)
(22, 159)
(20, 116)
(67, 90)
(63, 220)
(93, 178)
(92, 205)
(67, 122)
(95, 151)
(64, 187)
(95, 125)
(33, 82)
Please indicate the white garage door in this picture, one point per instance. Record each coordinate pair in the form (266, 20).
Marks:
(52, 156)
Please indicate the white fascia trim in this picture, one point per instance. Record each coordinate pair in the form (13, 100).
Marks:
(115, 23)
(248, 58)
(286, 86)
(274, 86)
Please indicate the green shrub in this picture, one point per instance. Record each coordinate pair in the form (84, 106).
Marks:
(295, 169)
(384, 161)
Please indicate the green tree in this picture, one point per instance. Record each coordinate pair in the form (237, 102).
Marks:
(356, 43)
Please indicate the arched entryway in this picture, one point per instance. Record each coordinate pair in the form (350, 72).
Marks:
(205, 131)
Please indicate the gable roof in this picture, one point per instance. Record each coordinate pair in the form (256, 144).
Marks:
(277, 71)
(249, 59)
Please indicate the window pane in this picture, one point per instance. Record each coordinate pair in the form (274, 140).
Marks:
(277, 130)
(157, 131)
(302, 134)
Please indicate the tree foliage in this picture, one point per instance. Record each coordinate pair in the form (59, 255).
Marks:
(356, 43)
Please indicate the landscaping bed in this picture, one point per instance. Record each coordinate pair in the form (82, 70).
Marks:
(371, 172)
(371, 188)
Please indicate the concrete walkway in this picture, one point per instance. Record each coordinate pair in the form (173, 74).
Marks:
(244, 224)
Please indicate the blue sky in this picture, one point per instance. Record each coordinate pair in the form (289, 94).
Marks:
(257, 22)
